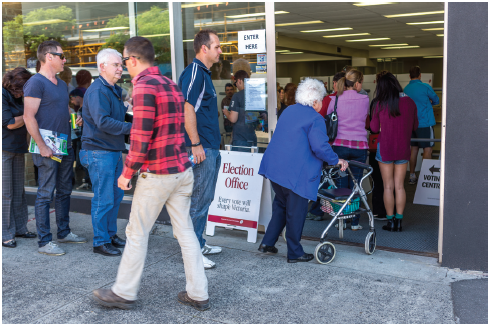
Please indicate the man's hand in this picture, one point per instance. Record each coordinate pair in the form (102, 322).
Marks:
(79, 121)
(199, 154)
(343, 163)
(45, 151)
(123, 183)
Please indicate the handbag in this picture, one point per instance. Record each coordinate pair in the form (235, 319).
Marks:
(331, 121)
(372, 142)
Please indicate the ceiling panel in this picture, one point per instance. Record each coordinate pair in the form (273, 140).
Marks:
(369, 19)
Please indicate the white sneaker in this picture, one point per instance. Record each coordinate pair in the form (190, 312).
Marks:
(356, 227)
(208, 264)
(51, 249)
(207, 249)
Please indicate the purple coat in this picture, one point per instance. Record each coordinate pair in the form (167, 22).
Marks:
(395, 132)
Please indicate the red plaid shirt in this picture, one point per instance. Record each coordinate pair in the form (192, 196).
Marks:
(157, 133)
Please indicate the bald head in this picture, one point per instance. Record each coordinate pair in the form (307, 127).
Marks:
(241, 64)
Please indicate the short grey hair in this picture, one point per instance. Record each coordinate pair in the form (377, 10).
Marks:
(103, 56)
(309, 91)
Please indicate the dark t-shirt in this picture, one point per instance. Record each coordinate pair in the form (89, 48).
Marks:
(13, 140)
(244, 128)
(53, 113)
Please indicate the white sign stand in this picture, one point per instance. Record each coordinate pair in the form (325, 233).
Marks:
(428, 187)
(242, 199)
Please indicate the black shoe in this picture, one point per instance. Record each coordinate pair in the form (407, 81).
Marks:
(26, 235)
(390, 226)
(398, 224)
(305, 258)
(107, 249)
(10, 244)
(267, 249)
(118, 242)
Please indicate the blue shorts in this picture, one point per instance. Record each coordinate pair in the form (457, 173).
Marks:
(379, 158)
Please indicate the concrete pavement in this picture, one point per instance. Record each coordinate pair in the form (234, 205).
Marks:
(245, 287)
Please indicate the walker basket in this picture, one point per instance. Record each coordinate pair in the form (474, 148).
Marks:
(334, 206)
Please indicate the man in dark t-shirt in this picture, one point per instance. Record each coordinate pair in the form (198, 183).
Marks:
(245, 122)
(226, 101)
(46, 107)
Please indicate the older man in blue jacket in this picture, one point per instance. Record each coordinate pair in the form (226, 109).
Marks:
(102, 145)
(293, 162)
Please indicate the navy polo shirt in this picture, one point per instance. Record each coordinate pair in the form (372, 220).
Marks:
(198, 90)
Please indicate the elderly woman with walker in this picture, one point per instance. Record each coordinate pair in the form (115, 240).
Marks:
(293, 162)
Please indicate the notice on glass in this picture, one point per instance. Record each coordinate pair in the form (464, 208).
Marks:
(255, 94)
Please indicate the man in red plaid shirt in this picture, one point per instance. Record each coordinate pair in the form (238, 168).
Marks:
(158, 149)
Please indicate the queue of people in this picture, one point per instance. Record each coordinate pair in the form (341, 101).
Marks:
(170, 124)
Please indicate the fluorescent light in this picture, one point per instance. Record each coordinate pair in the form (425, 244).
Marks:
(399, 47)
(200, 4)
(157, 35)
(426, 22)
(405, 44)
(415, 14)
(256, 14)
(229, 54)
(45, 22)
(188, 40)
(373, 3)
(227, 43)
(104, 29)
(434, 56)
(292, 53)
(325, 30)
(428, 29)
(300, 23)
(282, 51)
(440, 35)
(347, 35)
(366, 39)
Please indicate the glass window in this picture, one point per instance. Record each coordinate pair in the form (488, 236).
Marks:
(226, 18)
(83, 29)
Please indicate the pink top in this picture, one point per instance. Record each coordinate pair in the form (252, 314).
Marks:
(395, 132)
(352, 112)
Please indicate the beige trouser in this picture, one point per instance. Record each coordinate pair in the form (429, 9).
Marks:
(152, 192)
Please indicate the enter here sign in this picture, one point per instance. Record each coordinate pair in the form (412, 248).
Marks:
(251, 41)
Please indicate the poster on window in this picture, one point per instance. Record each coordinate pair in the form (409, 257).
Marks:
(255, 94)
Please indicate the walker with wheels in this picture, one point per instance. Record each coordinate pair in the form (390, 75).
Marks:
(342, 204)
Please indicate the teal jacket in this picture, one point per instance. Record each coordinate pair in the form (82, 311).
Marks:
(422, 93)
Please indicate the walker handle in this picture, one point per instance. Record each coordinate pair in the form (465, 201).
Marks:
(359, 165)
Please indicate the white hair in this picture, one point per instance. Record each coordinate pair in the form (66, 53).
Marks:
(103, 56)
(309, 91)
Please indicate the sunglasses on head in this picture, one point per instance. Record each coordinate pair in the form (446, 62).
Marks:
(124, 59)
(61, 55)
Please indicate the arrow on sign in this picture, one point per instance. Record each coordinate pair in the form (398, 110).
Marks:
(433, 169)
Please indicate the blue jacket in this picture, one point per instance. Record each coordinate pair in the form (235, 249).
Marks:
(422, 93)
(295, 155)
(103, 115)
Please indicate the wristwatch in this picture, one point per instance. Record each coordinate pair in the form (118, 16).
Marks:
(196, 144)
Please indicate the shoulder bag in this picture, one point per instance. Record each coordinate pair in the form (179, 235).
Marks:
(331, 121)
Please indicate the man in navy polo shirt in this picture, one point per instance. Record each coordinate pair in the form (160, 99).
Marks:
(203, 137)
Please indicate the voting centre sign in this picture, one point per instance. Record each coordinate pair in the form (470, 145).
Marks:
(243, 197)
(428, 188)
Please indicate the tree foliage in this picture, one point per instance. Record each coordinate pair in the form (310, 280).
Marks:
(152, 22)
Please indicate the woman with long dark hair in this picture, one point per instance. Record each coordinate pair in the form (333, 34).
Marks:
(395, 116)
(14, 146)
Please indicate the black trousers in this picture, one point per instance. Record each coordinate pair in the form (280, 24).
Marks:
(378, 207)
(289, 210)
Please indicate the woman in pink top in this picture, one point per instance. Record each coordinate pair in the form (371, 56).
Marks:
(351, 140)
(396, 117)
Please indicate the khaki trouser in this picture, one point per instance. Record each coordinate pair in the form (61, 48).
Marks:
(152, 192)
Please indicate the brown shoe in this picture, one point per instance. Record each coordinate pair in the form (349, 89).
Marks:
(198, 305)
(107, 298)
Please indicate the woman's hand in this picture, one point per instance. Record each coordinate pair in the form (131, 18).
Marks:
(343, 163)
